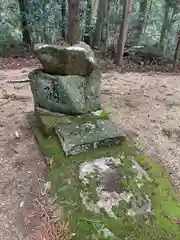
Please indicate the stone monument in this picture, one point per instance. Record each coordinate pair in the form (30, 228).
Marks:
(69, 85)
(110, 187)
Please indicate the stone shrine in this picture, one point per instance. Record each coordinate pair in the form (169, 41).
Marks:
(102, 181)
(68, 86)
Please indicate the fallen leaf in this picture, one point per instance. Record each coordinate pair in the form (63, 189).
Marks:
(175, 221)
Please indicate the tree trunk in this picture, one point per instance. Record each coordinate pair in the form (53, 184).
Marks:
(101, 14)
(147, 15)
(44, 25)
(95, 5)
(104, 34)
(73, 21)
(24, 24)
(172, 19)
(127, 8)
(141, 20)
(63, 13)
(164, 26)
(177, 48)
(87, 35)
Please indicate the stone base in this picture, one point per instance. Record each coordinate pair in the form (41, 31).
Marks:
(107, 188)
(77, 137)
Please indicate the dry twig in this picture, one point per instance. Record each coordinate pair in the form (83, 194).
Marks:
(23, 81)
(2, 104)
(52, 231)
(46, 214)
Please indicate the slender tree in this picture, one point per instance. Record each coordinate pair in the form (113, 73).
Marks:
(127, 7)
(24, 23)
(148, 15)
(87, 35)
(101, 14)
(105, 33)
(177, 47)
(94, 8)
(63, 13)
(165, 25)
(167, 21)
(141, 19)
(73, 21)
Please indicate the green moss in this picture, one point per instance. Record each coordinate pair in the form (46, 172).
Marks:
(66, 184)
(50, 120)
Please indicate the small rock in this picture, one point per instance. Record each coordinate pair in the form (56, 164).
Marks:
(17, 135)
(47, 186)
(21, 204)
(18, 86)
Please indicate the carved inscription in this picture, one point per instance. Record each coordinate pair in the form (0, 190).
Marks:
(53, 93)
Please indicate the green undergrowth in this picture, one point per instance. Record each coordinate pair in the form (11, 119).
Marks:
(85, 224)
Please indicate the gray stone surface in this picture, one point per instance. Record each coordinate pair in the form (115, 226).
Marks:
(106, 176)
(78, 59)
(78, 137)
(66, 94)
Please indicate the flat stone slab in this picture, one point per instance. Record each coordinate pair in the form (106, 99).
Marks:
(78, 59)
(106, 175)
(112, 192)
(47, 120)
(78, 137)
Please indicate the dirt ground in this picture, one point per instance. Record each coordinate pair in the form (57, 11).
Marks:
(21, 163)
(145, 105)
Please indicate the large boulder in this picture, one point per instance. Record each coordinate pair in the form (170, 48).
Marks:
(78, 59)
(70, 94)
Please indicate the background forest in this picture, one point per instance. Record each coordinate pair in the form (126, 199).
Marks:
(145, 31)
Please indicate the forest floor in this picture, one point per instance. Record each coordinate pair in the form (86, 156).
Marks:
(145, 104)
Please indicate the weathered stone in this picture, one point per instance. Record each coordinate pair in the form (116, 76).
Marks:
(78, 59)
(47, 120)
(92, 195)
(47, 123)
(66, 94)
(78, 137)
(40, 124)
(108, 174)
(46, 112)
(98, 114)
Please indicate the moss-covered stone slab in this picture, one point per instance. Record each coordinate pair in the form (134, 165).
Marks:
(71, 94)
(143, 177)
(47, 120)
(98, 114)
(105, 187)
(47, 123)
(77, 137)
